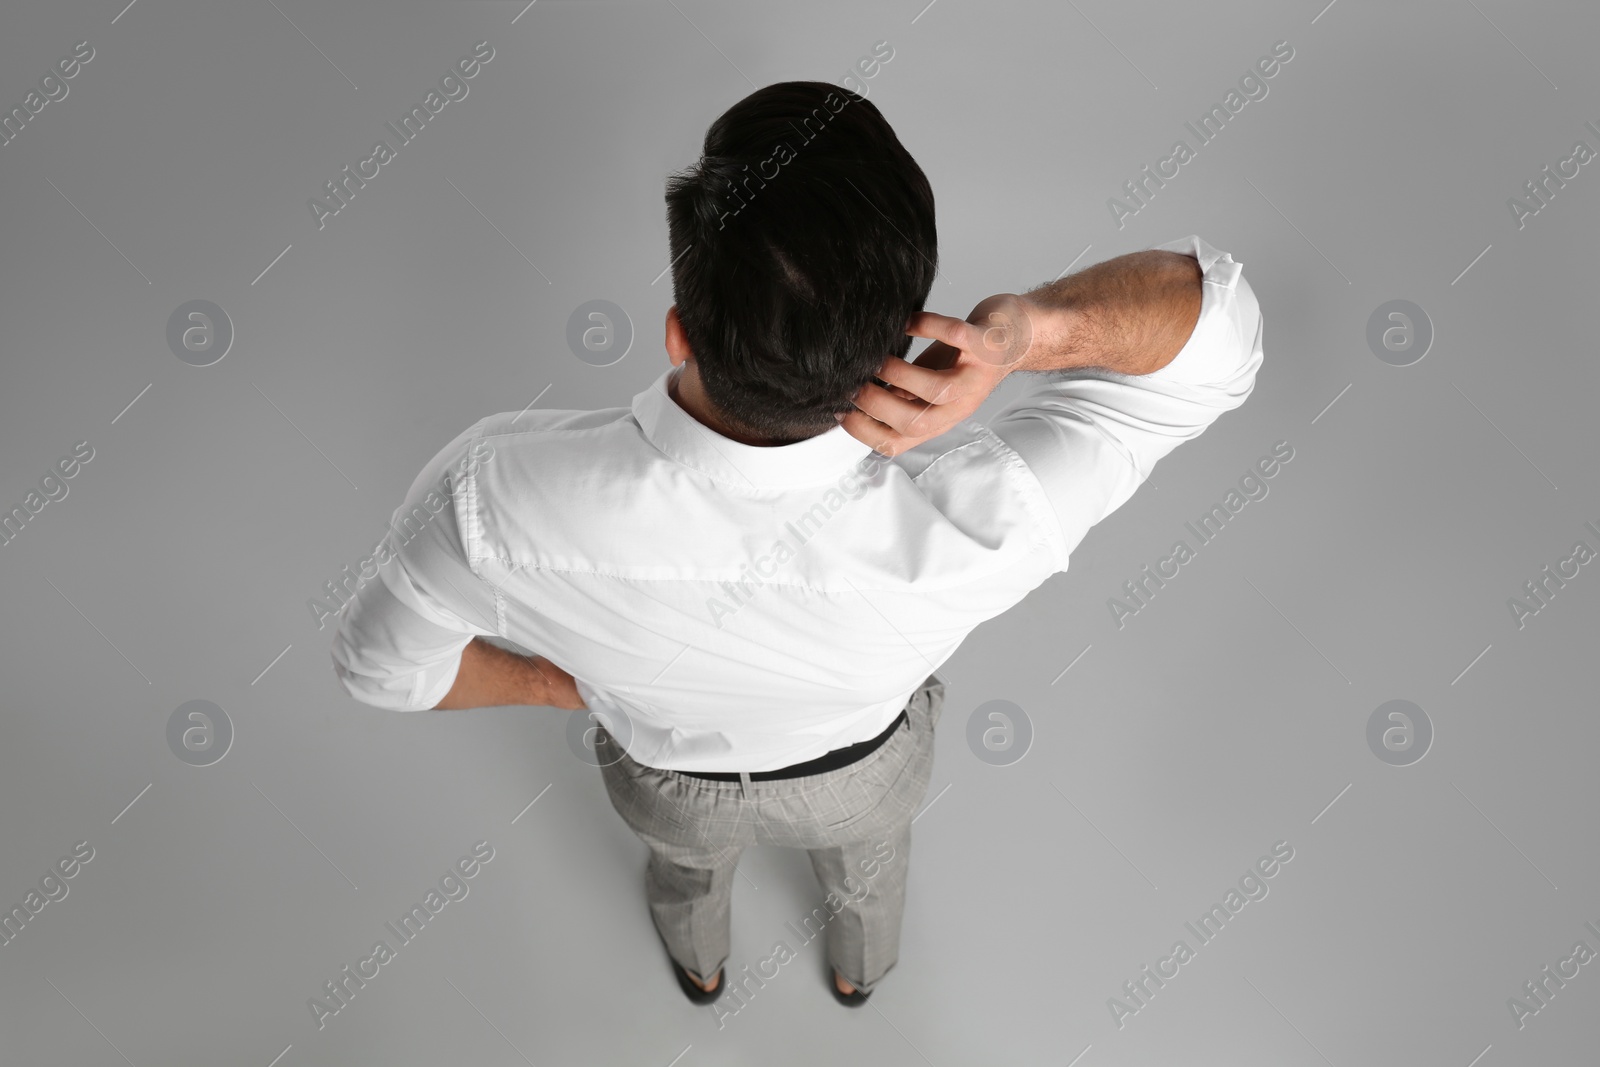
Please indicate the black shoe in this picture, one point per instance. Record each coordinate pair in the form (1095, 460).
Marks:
(849, 1000)
(695, 994)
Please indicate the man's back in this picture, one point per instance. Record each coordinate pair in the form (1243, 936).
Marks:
(726, 606)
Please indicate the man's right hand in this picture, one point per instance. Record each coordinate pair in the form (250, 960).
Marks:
(949, 380)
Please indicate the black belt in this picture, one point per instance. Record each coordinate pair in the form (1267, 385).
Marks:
(828, 761)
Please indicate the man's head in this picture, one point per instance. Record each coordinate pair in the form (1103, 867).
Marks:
(801, 242)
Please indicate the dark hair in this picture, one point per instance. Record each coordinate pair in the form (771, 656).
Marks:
(801, 242)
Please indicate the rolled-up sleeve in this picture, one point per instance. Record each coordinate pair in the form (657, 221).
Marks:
(398, 645)
(1092, 437)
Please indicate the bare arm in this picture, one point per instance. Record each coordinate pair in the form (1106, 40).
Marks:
(1132, 314)
(491, 677)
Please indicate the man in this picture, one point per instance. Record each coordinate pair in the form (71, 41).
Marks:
(750, 574)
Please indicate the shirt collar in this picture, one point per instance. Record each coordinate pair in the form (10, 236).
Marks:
(684, 438)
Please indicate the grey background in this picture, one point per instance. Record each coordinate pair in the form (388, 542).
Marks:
(1224, 717)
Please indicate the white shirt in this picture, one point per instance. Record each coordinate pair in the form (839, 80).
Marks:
(615, 542)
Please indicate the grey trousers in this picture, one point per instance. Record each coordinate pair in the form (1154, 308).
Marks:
(855, 822)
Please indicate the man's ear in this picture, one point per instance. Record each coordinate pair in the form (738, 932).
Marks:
(677, 340)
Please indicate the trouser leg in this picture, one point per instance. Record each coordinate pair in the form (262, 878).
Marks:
(695, 838)
(865, 874)
(866, 882)
(690, 893)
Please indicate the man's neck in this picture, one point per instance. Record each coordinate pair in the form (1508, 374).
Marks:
(686, 389)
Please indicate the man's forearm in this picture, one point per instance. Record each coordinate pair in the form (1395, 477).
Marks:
(491, 677)
(1131, 314)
